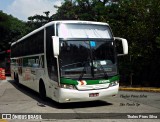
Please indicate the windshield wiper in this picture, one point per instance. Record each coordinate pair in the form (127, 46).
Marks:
(83, 71)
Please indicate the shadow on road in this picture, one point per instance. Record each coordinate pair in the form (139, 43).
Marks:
(27, 91)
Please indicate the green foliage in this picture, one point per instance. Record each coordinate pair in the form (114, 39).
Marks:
(11, 29)
(37, 21)
(139, 23)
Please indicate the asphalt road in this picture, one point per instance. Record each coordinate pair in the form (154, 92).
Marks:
(126, 106)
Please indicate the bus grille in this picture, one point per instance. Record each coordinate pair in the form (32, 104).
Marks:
(92, 87)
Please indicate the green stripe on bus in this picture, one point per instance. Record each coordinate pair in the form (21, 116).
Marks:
(89, 82)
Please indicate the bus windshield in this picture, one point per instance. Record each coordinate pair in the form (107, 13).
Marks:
(87, 59)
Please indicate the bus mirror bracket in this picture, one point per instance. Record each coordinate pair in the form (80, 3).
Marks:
(55, 41)
(124, 44)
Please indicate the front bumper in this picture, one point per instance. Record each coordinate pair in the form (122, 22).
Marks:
(72, 95)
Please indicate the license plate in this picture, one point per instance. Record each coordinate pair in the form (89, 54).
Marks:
(93, 94)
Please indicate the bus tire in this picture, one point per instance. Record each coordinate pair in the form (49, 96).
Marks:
(42, 90)
(16, 78)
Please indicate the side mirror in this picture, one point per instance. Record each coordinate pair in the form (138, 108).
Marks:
(55, 41)
(124, 44)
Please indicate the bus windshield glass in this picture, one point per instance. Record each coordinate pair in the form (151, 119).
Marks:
(83, 31)
(87, 59)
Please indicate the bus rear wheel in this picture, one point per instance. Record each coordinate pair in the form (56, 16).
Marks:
(42, 91)
(16, 78)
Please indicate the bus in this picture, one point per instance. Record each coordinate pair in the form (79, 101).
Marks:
(68, 61)
(5, 61)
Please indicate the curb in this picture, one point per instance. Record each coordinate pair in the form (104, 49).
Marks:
(3, 120)
(139, 89)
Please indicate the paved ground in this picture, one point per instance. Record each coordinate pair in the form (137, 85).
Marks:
(124, 107)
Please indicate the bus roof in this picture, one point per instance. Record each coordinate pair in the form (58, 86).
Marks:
(61, 21)
(76, 21)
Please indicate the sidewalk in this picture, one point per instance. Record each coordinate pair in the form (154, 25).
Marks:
(146, 89)
(7, 78)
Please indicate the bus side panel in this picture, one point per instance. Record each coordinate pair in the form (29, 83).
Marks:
(37, 75)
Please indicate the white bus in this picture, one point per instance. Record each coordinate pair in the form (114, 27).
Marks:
(68, 61)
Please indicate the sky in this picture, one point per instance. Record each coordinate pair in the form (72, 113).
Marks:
(22, 9)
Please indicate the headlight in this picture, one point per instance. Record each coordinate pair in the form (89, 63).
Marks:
(67, 86)
(114, 83)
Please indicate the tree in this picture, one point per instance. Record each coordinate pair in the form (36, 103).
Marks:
(37, 21)
(11, 29)
(138, 21)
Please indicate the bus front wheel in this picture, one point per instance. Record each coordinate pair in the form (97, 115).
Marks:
(42, 90)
